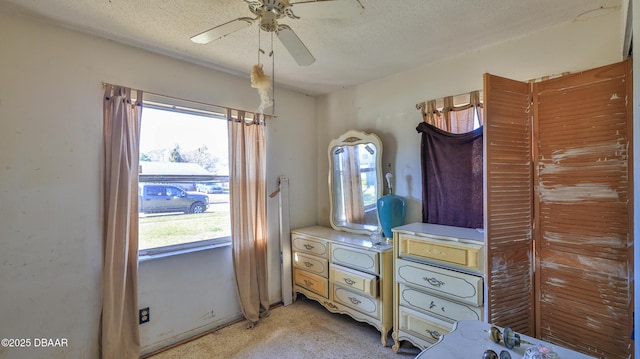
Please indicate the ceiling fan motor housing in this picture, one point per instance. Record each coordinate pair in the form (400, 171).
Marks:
(276, 6)
(269, 12)
(262, 7)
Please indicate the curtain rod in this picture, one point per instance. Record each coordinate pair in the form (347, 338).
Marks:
(195, 102)
(423, 104)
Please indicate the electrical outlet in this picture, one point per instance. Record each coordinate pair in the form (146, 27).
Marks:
(143, 315)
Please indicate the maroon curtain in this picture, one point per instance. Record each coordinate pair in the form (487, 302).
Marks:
(451, 177)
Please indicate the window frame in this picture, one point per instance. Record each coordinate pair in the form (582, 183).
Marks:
(163, 103)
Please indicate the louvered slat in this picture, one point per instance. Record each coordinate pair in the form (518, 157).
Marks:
(508, 212)
(583, 232)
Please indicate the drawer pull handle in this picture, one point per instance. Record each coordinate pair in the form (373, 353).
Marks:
(330, 305)
(434, 281)
(349, 281)
(308, 247)
(434, 334)
(433, 305)
(308, 283)
(354, 301)
(436, 252)
(308, 264)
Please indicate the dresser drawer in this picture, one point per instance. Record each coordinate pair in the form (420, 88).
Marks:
(458, 286)
(363, 282)
(319, 266)
(367, 261)
(360, 302)
(416, 299)
(421, 325)
(463, 255)
(310, 245)
(311, 282)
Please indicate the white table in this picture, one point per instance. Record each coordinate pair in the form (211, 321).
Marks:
(470, 339)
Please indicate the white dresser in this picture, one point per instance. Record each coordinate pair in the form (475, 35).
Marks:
(346, 273)
(438, 281)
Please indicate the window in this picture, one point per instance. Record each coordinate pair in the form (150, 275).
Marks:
(368, 178)
(183, 190)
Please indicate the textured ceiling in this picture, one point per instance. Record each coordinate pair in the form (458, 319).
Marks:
(390, 36)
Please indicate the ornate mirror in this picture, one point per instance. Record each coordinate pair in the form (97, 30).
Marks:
(355, 181)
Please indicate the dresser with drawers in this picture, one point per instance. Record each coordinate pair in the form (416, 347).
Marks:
(438, 281)
(347, 273)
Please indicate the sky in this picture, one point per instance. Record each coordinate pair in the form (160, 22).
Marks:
(164, 129)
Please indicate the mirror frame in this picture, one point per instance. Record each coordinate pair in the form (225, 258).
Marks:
(350, 138)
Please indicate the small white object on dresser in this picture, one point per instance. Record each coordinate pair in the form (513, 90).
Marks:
(345, 272)
(438, 281)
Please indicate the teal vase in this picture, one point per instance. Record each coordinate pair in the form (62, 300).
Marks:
(391, 213)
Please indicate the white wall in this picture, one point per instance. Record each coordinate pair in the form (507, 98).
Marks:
(50, 188)
(387, 106)
(185, 297)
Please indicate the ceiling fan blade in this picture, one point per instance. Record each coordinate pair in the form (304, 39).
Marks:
(223, 30)
(294, 45)
(323, 9)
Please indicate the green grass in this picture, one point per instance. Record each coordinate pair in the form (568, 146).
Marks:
(165, 230)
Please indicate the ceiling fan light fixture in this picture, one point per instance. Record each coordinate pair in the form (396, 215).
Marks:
(269, 22)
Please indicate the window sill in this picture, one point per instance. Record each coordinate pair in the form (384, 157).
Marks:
(179, 249)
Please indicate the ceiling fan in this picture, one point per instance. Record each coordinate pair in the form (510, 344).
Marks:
(268, 12)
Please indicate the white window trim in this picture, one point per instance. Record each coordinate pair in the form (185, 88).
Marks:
(182, 248)
(172, 104)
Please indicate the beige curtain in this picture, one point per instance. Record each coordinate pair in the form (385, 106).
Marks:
(451, 118)
(119, 336)
(247, 184)
(354, 203)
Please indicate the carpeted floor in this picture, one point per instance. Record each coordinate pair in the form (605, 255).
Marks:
(301, 330)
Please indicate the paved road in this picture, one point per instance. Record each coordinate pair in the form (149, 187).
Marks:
(218, 202)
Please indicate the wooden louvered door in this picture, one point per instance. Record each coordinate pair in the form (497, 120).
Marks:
(508, 204)
(558, 160)
(584, 273)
